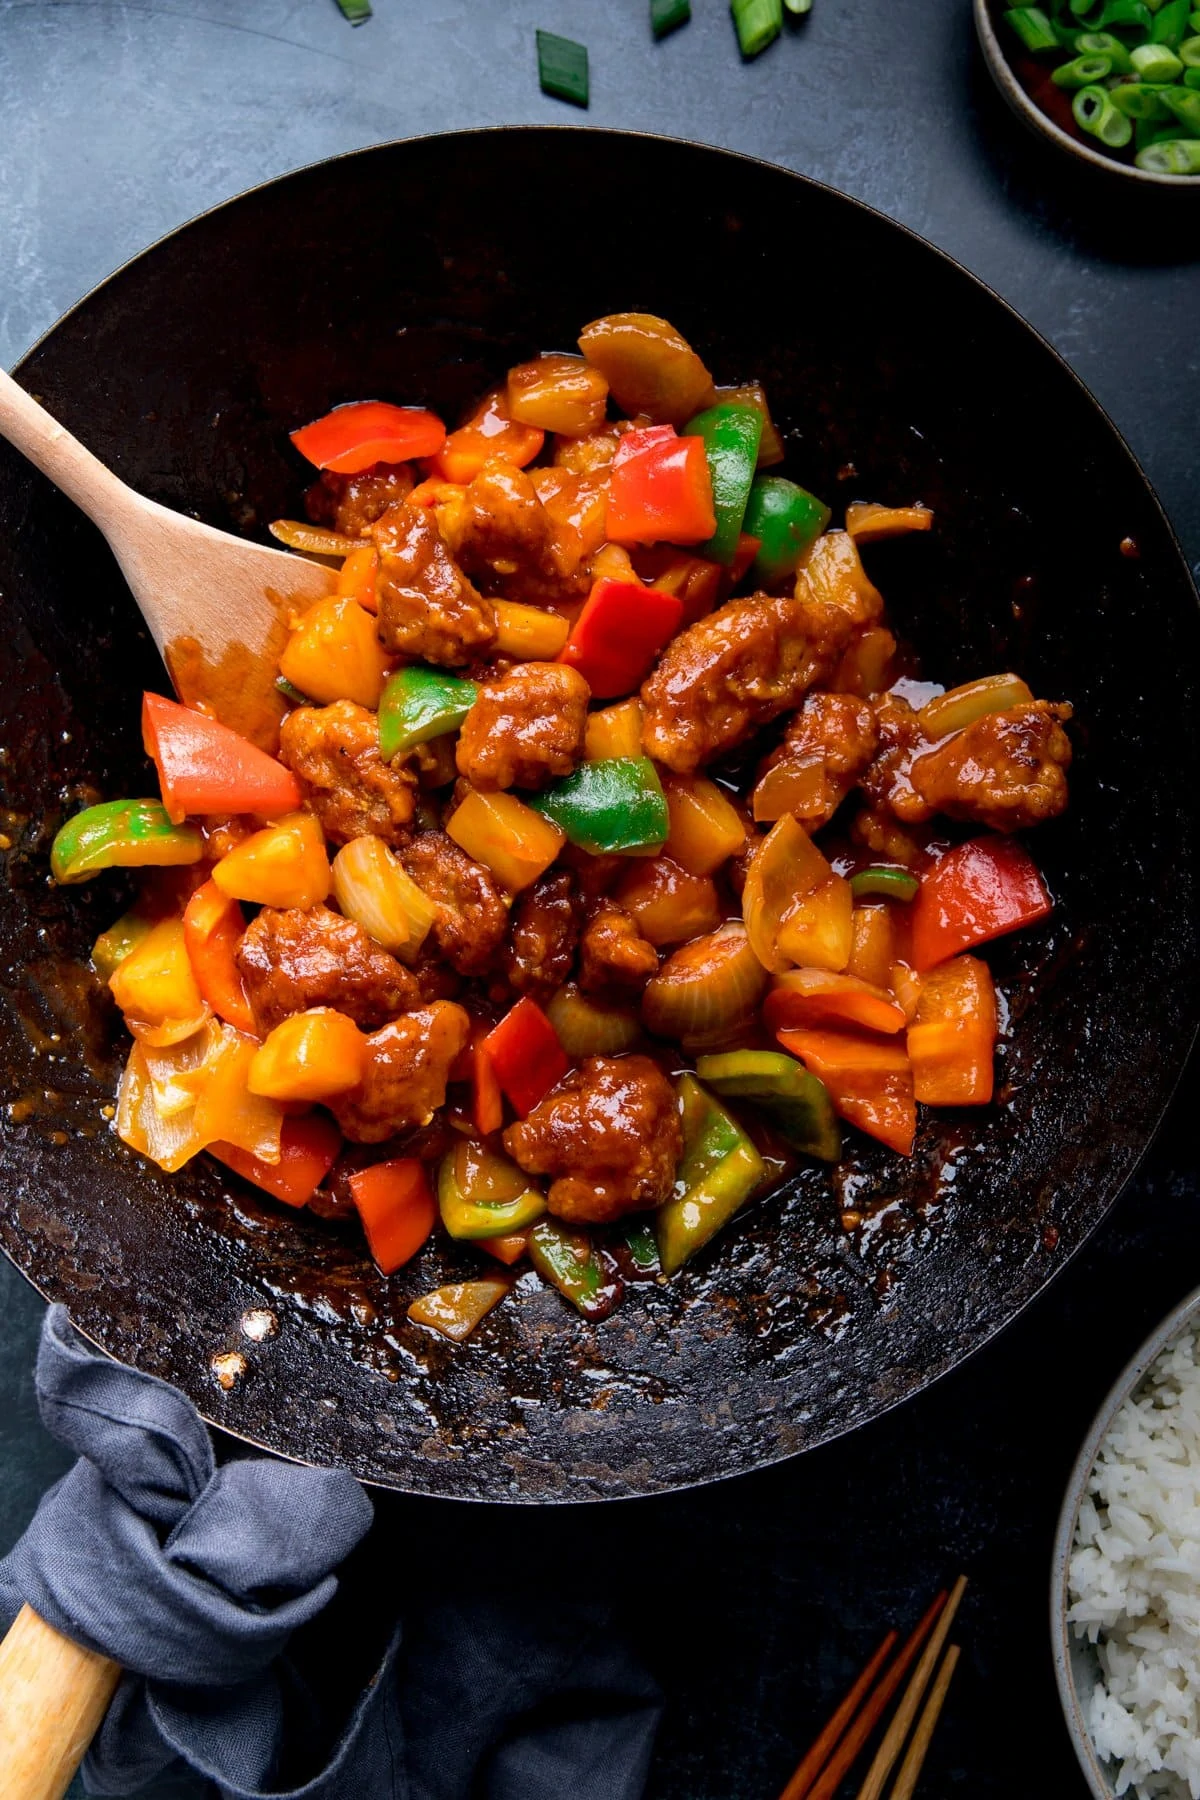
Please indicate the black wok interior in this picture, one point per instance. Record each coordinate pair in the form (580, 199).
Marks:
(418, 272)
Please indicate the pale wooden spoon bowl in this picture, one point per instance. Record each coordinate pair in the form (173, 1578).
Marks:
(217, 606)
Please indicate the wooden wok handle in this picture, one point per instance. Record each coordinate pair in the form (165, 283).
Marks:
(53, 1695)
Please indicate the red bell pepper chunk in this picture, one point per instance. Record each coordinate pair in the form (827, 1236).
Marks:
(308, 1147)
(976, 892)
(204, 767)
(659, 490)
(620, 631)
(352, 438)
(396, 1205)
(869, 1081)
(526, 1055)
(212, 928)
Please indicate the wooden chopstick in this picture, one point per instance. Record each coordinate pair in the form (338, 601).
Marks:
(893, 1743)
(831, 1779)
(814, 1761)
(910, 1768)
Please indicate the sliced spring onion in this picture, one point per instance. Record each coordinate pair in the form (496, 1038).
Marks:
(291, 693)
(1095, 113)
(1138, 100)
(1103, 43)
(1081, 71)
(1173, 156)
(1155, 62)
(1032, 27)
(562, 68)
(758, 23)
(799, 7)
(1186, 107)
(357, 11)
(668, 15)
(1189, 53)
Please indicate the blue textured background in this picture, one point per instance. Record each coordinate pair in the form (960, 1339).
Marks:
(758, 1599)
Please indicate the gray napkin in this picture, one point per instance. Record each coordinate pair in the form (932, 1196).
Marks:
(194, 1578)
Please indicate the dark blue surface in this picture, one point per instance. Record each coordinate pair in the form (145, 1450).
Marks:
(757, 1599)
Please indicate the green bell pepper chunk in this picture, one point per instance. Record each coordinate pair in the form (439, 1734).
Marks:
(732, 432)
(797, 1102)
(642, 1247)
(787, 520)
(569, 1261)
(419, 703)
(719, 1171)
(892, 884)
(124, 834)
(114, 945)
(469, 1219)
(616, 803)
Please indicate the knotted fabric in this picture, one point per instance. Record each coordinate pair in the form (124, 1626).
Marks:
(194, 1578)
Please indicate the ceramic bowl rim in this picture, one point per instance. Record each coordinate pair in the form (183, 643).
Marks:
(1130, 1378)
(1027, 110)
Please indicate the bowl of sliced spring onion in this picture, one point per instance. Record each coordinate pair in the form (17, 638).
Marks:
(1116, 83)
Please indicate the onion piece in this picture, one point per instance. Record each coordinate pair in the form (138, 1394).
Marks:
(374, 891)
(312, 540)
(787, 866)
(481, 1174)
(961, 706)
(705, 989)
(588, 1027)
(172, 1103)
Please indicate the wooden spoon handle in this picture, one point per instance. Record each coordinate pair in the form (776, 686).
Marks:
(50, 447)
(53, 1695)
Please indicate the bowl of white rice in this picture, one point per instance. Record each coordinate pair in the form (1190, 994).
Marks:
(1125, 1593)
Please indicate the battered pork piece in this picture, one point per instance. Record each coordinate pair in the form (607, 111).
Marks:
(427, 607)
(610, 1135)
(613, 952)
(837, 733)
(1007, 770)
(352, 503)
(334, 750)
(525, 728)
(546, 921)
(471, 917)
(508, 541)
(405, 1083)
(292, 960)
(725, 676)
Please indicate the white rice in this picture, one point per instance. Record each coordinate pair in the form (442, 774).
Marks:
(1134, 1583)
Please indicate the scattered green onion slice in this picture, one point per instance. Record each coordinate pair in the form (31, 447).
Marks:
(1189, 53)
(562, 68)
(357, 11)
(1154, 62)
(668, 15)
(1170, 24)
(1192, 77)
(1082, 71)
(291, 693)
(798, 6)
(892, 884)
(1095, 113)
(758, 23)
(1032, 27)
(1173, 156)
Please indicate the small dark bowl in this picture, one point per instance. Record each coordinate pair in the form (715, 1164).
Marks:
(1031, 114)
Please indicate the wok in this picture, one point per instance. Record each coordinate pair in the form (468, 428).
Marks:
(419, 271)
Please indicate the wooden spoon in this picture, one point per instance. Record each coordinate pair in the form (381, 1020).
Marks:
(217, 606)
